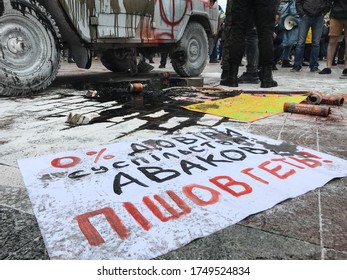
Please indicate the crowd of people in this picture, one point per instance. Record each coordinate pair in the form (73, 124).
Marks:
(272, 32)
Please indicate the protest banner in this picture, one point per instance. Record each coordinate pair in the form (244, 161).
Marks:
(142, 199)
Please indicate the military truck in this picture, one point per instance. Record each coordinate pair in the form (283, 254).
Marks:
(33, 34)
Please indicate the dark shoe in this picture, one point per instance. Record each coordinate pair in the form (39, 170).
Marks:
(286, 64)
(334, 63)
(340, 62)
(214, 61)
(274, 67)
(344, 74)
(248, 78)
(266, 80)
(161, 66)
(295, 69)
(231, 80)
(70, 60)
(325, 71)
(268, 84)
(305, 64)
(314, 69)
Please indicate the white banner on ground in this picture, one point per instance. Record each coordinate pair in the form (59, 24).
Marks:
(139, 200)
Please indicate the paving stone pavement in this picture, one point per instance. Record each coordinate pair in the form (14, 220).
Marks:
(311, 226)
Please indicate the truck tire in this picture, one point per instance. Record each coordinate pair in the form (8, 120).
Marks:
(30, 50)
(115, 60)
(190, 56)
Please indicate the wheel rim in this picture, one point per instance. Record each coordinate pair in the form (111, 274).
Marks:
(195, 52)
(25, 47)
(189, 58)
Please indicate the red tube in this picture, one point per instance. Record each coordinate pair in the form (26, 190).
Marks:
(315, 110)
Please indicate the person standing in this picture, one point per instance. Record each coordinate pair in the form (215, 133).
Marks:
(338, 23)
(264, 18)
(250, 76)
(311, 14)
(214, 53)
(290, 37)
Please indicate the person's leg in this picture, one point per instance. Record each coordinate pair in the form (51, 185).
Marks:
(265, 22)
(336, 28)
(239, 23)
(226, 38)
(265, 11)
(252, 51)
(336, 51)
(344, 71)
(252, 55)
(307, 52)
(221, 45)
(317, 28)
(322, 49)
(278, 50)
(226, 52)
(341, 53)
(163, 59)
(304, 26)
(333, 41)
(285, 57)
(240, 13)
(214, 54)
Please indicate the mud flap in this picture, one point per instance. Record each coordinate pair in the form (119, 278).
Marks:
(82, 56)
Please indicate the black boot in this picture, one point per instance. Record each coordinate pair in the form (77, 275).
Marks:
(231, 79)
(265, 76)
(225, 74)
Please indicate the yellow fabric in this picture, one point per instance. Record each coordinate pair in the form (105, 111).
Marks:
(309, 37)
(246, 107)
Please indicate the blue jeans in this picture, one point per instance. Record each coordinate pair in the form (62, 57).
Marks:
(214, 54)
(316, 23)
(286, 52)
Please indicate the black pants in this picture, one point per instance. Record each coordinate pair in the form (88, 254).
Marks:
(163, 58)
(263, 13)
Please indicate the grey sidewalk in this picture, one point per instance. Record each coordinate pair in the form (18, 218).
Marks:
(311, 226)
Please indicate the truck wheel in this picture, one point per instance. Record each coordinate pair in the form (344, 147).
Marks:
(30, 51)
(115, 60)
(190, 57)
